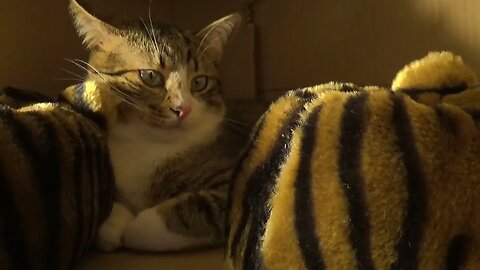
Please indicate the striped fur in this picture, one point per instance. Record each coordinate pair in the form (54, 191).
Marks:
(358, 178)
(17, 98)
(190, 195)
(171, 171)
(55, 184)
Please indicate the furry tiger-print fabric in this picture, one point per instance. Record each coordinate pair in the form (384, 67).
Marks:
(56, 182)
(338, 176)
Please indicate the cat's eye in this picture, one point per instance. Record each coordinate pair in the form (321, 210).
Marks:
(199, 83)
(151, 78)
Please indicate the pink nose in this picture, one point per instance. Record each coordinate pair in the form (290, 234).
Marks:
(182, 111)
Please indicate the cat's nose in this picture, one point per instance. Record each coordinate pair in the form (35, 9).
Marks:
(181, 111)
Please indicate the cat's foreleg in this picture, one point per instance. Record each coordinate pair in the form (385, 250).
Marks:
(186, 221)
(111, 231)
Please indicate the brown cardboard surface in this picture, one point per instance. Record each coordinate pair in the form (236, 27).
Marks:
(302, 43)
(208, 260)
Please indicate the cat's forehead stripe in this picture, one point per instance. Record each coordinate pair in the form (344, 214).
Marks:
(168, 41)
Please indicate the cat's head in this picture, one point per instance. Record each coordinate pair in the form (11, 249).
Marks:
(158, 73)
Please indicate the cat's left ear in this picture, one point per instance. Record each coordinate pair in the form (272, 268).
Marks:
(215, 36)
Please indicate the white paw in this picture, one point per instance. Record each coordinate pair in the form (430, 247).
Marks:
(148, 232)
(111, 231)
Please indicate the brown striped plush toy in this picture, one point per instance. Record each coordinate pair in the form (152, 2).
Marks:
(56, 182)
(344, 177)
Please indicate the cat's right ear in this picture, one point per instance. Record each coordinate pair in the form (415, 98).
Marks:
(94, 31)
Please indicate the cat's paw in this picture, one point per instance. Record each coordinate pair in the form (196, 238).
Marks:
(149, 232)
(110, 233)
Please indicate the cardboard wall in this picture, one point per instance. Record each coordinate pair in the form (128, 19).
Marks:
(365, 42)
(294, 43)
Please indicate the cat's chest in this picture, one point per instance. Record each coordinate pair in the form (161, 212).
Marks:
(135, 162)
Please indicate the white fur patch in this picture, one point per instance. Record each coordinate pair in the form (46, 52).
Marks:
(148, 232)
(111, 231)
(137, 150)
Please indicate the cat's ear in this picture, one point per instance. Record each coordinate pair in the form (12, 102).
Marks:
(93, 31)
(214, 37)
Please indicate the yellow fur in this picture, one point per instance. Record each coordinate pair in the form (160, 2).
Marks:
(379, 180)
(449, 70)
(93, 98)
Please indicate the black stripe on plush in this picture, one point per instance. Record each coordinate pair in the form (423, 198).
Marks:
(446, 119)
(88, 197)
(347, 88)
(50, 185)
(105, 177)
(413, 92)
(457, 252)
(234, 243)
(14, 239)
(260, 188)
(97, 168)
(25, 95)
(101, 172)
(40, 168)
(305, 93)
(79, 99)
(76, 174)
(84, 108)
(349, 161)
(304, 217)
(414, 220)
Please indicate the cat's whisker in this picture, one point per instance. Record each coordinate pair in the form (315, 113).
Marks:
(236, 128)
(151, 25)
(231, 120)
(158, 115)
(78, 76)
(90, 66)
(127, 98)
(102, 76)
(137, 93)
(132, 103)
(68, 79)
(236, 125)
(117, 91)
(150, 35)
(80, 66)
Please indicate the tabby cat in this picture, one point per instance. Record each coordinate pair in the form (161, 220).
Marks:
(160, 98)
(363, 178)
(55, 182)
